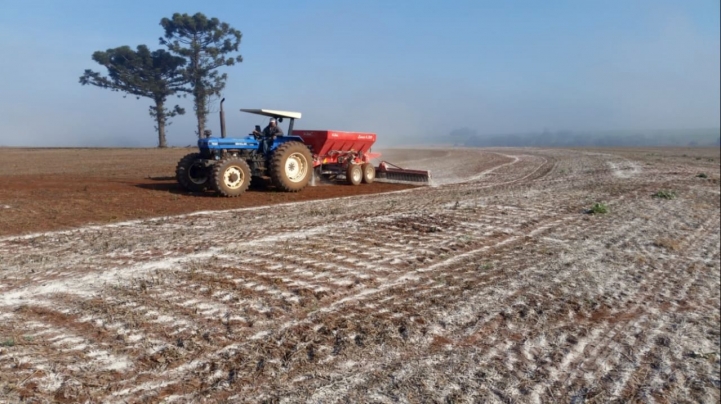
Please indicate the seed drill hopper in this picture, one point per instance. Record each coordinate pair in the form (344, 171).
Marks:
(228, 165)
(348, 155)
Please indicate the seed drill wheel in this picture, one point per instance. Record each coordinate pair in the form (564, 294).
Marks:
(231, 177)
(354, 175)
(369, 173)
(291, 167)
(192, 174)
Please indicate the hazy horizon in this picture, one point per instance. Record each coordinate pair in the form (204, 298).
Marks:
(402, 70)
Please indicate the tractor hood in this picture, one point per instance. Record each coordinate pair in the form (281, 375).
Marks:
(227, 143)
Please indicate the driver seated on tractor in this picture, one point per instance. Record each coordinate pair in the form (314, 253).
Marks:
(269, 134)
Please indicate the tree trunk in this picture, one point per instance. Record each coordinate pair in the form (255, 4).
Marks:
(200, 107)
(198, 88)
(160, 116)
(200, 111)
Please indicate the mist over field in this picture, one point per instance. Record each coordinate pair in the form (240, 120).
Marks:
(566, 138)
(483, 251)
(585, 74)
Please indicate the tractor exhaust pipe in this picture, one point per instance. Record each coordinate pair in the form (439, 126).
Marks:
(222, 119)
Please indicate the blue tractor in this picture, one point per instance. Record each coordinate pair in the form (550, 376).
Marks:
(228, 165)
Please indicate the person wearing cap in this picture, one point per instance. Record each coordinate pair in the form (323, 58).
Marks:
(272, 130)
(269, 134)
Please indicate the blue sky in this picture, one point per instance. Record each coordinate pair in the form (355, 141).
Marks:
(398, 68)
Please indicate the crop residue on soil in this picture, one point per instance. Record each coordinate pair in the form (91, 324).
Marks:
(495, 286)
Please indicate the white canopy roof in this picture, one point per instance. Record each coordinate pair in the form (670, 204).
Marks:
(273, 113)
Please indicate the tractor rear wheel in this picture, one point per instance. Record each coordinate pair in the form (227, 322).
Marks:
(291, 166)
(369, 173)
(354, 174)
(192, 174)
(231, 177)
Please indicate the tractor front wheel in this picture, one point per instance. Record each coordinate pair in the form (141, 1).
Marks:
(291, 166)
(369, 173)
(354, 174)
(231, 177)
(191, 173)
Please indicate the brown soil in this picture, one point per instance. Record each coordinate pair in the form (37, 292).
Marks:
(53, 189)
(495, 287)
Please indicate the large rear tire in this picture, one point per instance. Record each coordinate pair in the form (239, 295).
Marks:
(291, 167)
(192, 174)
(231, 177)
(354, 174)
(369, 173)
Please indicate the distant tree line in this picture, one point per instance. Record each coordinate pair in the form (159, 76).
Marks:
(566, 138)
(197, 46)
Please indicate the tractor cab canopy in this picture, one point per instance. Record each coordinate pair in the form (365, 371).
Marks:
(274, 113)
(279, 115)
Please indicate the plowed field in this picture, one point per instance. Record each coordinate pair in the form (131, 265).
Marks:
(494, 285)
